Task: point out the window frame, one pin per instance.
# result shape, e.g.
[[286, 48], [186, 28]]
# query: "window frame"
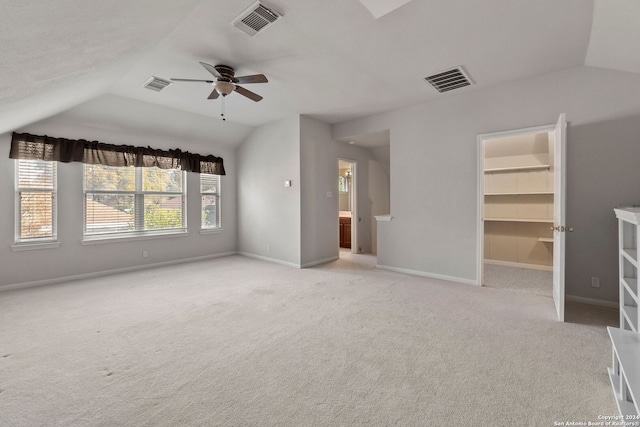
[[218, 226], [21, 243], [138, 208]]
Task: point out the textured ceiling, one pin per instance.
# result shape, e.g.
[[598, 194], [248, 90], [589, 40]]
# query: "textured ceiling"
[[329, 59]]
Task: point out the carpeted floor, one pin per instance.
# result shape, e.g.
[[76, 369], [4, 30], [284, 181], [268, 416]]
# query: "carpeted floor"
[[535, 282], [240, 342]]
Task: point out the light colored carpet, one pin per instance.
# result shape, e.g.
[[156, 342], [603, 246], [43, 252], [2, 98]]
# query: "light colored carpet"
[[535, 282], [240, 342]]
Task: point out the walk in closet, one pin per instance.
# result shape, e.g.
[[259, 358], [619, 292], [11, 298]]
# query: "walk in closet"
[[518, 201]]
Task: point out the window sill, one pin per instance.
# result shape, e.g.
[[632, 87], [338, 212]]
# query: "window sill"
[[211, 231], [18, 247], [98, 240]]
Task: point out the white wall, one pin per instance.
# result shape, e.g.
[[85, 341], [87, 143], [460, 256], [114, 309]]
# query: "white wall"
[[72, 258], [434, 170], [269, 212]]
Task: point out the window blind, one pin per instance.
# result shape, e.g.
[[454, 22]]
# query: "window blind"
[[210, 201], [35, 200]]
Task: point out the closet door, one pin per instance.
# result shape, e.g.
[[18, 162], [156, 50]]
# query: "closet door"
[[559, 201]]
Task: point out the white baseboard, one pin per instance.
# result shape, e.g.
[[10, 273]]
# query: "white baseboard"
[[426, 274], [592, 301], [112, 271], [320, 261], [267, 259], [519, 265]]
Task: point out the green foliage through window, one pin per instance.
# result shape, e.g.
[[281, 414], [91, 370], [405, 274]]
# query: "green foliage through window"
[[133, 200]]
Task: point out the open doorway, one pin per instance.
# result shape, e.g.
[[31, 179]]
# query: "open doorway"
[[347, 211], [521, 211]]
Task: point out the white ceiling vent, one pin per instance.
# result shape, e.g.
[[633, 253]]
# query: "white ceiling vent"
[[255, 19], [447, 80], [156, 83]]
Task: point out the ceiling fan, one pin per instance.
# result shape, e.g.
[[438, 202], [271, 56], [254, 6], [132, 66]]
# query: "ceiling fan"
[[226, 82]]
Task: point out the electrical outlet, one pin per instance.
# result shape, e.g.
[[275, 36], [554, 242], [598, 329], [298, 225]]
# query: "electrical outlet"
[[268, 248], [595, 282], [145, 254]]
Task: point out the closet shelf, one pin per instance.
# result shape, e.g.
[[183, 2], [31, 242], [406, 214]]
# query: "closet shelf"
[[631, 314], [519, 219], [521, 193], [631, 284], [631, 255], [545, 239], [516, 168]]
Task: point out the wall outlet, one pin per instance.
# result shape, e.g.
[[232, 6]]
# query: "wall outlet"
[[268, 248], [145, 254], [595, 282]]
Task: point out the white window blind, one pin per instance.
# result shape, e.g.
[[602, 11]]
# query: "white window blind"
[[35, 201], [128, 200], [210, 201]]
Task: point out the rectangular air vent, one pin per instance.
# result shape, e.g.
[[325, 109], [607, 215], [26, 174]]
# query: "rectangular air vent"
[[156, 83], [255, 19], [447, 80]]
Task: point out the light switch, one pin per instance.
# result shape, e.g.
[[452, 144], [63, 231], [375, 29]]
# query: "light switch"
[[287, 183], [329, 194]]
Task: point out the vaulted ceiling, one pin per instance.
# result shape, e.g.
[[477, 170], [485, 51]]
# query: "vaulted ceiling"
[[331, 59]]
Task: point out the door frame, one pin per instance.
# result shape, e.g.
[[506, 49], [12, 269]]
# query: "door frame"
[[480, 179], [353, 199]]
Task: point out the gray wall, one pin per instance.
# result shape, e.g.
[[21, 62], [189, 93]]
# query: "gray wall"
[[379, 185], [368, 170], [268, 212], [300, 223], [72, 258], [603, 159], [434, 170], [319, 175]]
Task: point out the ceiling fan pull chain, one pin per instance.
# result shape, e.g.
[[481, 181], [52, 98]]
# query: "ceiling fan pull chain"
[[222, 108]]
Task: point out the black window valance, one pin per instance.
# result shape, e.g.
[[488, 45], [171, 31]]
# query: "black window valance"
[[33, 147]]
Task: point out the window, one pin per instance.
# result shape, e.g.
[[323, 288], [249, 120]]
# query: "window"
[[210, 195], [35, 201], [133, 201], [342, 184]]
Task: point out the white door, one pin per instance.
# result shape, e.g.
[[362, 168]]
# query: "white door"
[[559, 202]]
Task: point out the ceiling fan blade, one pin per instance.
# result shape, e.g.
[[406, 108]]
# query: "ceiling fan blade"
[[191, 80], [213, 95], [255, 78], [252, 96], [211, 69]]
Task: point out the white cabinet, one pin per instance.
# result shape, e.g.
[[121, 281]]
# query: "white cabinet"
[[628, 219], [625, 341], [625, 373]]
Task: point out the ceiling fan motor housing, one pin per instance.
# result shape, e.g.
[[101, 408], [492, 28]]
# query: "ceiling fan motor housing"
[[227, 73]]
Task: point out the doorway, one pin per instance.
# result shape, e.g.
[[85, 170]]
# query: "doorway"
[[521, 197], [347, 210]]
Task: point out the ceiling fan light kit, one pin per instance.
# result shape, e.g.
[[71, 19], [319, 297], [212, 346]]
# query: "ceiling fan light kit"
[[224, 88]]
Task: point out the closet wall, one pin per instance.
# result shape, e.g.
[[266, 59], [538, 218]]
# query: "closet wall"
[[518, 201]]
